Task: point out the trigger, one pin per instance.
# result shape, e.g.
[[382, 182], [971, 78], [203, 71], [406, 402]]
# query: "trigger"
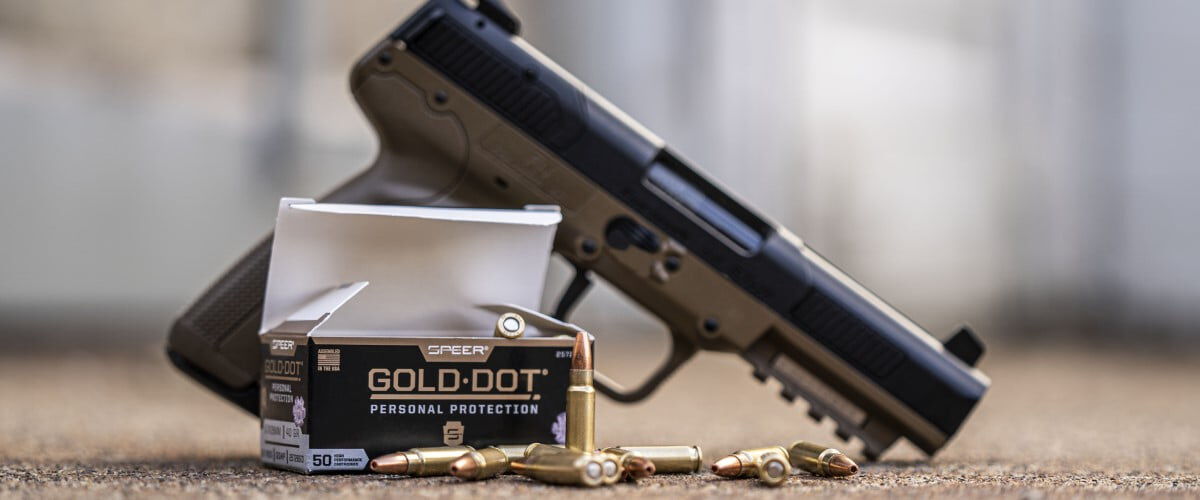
[[575, 291], [681, 352]]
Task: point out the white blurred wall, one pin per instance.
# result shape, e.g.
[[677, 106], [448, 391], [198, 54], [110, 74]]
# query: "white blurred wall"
[[1023, 165]]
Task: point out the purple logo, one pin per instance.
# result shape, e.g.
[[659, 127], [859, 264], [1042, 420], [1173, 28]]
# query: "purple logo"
[[298, 411], [559, 428]]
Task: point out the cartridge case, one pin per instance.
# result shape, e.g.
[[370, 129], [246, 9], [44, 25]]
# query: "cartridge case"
[[610, 467], [773, 469], [581, 397], [766, 450], [745, 463], [671, 459], [633, 465], [514, 451], [611, 463], [433, 461], [769, 464], [569, 467], [541, 448], [510, 325], [820, 460], [480, 464]]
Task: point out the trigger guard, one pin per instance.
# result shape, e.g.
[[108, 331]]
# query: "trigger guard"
[[681, 352]]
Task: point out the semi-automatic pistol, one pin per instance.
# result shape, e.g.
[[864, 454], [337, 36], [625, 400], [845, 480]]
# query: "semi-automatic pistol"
[[469, 114]]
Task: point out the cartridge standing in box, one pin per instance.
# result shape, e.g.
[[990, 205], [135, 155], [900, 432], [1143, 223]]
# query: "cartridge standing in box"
[[671, 459], [821, 460], [570, 467], [420, 461], [581, 397], [510, 325]]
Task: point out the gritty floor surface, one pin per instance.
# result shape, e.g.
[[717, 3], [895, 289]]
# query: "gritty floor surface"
[[1058, 422]]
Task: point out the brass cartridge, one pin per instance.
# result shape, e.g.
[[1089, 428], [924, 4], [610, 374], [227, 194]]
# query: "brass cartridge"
[[480, 464], [773, 469], [610, 467], [671, 459], [634, 466], [514, 451], [821, 460], [769, 464], [581, 397], [419, 461], [510, 325], [540, 448], [568, 467]]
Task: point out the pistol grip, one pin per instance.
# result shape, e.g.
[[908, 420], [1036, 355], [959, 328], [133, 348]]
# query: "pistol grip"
[[681, 352]]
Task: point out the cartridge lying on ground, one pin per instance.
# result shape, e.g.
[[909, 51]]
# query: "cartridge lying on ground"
[[670, 459], [769, 463], [540, 448], [820, 460], [515, 451], [773, 469], [634, 466], [480, 464], [419, 461], [610, 467], [581, 397], [568, 467], [612, 470]]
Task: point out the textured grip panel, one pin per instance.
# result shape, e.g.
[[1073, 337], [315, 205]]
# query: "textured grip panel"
[[512, 91], [216, 340], [235, 296], [830, 323]]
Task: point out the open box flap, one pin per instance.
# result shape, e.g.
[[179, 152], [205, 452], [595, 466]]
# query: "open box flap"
[[313, 314], [427, 267]]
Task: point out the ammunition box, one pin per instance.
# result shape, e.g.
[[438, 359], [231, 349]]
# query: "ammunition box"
[[332, 403]]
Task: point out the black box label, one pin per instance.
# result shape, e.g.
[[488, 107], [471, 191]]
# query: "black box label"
[[384, 395]]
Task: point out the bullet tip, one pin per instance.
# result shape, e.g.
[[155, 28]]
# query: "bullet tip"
[[581, 354], [727, 466], [842, 466], [640, 468], [395, 463], [464, 467]]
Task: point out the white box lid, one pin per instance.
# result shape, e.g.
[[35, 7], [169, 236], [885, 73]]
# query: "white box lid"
[[427, 268]]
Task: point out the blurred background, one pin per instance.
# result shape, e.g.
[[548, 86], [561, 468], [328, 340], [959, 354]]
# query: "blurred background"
[[1023, 165]]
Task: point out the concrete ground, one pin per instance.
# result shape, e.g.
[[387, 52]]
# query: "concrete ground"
[[1058, 422]]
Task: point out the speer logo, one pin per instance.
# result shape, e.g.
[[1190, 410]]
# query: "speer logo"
[[452, 433]]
